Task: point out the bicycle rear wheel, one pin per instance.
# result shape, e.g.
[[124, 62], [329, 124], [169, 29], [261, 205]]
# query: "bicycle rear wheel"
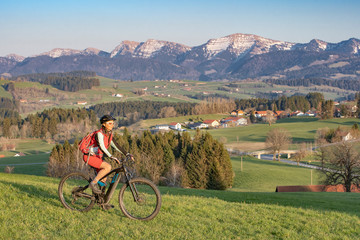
[[74, 192], [144, 204]]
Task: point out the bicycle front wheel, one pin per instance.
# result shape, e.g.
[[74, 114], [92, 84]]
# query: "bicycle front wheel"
[[74, 192], [140, 199]]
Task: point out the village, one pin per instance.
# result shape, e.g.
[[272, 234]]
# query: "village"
[[241, 118]]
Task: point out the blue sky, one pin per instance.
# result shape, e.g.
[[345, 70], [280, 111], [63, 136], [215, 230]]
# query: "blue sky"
[[32, 27]]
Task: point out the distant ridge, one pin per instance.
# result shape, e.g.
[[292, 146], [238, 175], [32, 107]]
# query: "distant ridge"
[[237, 56]]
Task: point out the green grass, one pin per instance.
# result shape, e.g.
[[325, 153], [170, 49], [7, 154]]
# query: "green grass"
[[31, 210], [31, 164], [28, 147], [302, 129], [264, 176], [250, 210]]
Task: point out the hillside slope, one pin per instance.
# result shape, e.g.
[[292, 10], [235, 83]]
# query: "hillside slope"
[[31, 209]]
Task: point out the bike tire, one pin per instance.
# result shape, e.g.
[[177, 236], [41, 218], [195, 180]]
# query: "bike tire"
[[72, 199], [148, 204]]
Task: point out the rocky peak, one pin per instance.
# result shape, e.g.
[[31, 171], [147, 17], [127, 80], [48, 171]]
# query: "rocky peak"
[[59, 52], [152, 47], [16, 58], [124, 48], [239, 44]]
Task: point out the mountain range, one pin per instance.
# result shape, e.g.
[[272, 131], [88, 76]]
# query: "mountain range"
[[237, 56]]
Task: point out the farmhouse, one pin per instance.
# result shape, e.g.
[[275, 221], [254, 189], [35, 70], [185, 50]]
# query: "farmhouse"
[[260, 114], [162, 127], [175, 126], [212, 123], [237, 113], [198, 125], [235, 120]]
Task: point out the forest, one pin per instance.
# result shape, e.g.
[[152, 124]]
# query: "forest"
[[70, 81], [165, 158], [348, 84]]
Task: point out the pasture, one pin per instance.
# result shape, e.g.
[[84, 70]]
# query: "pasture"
[[31, 210]]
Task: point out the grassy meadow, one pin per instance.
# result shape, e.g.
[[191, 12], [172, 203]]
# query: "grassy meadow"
[[250, 210]]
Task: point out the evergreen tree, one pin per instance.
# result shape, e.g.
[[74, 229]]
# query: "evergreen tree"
[[6, 127]]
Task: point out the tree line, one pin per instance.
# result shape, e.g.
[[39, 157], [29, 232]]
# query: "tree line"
[[132, 111], [166, 158], [296, 102], [347, 84], [70, 81], [51, 123], [8, 108]]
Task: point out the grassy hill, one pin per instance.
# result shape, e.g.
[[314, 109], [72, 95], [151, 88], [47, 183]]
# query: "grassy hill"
[[250, 210], [31, 210]]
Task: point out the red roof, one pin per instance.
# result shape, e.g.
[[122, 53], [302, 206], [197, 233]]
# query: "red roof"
[[209, 121], [173, 123]]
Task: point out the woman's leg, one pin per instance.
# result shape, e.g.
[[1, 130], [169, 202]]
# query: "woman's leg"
[[105, 168]]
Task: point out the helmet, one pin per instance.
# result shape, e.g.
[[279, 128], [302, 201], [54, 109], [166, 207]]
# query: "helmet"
[[106, 118]]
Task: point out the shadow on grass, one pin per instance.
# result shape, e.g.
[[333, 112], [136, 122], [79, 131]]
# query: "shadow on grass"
[[320, 201]]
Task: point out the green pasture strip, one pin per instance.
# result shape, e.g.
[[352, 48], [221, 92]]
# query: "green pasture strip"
[[29, 147], [264, 176], [31, 210], [31, 164], [4, 93], [302, 129]]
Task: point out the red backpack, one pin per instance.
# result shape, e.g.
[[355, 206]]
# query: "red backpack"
[[87, 142]]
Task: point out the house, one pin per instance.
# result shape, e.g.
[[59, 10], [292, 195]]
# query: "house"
[[175, 126], [198, 125], [260, 114], [298, 113], [162, 127], [20, 154], [117, 95], [237, 113], [23, 100], [345, 135], [310, 114], [212, 123], [279, 113], [81, 103], [234, 120]]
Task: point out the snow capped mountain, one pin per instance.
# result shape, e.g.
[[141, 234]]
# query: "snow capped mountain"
[[124, 48], [167, 51], [59, 52], [241, 44], [15, 57], [237, 55]]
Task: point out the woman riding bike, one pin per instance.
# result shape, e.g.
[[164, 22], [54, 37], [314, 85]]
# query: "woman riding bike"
[[103, 139]]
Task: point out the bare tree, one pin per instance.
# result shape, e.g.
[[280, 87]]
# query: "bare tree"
[[301, 154], [167, 112], [270, 118], [342, 166], [277, 139]]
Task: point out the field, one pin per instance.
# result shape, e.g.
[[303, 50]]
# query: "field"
[[174, 91], [250, 210], [252, 137]]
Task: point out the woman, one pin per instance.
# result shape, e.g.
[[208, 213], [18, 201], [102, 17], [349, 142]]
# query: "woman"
[[103, 139]]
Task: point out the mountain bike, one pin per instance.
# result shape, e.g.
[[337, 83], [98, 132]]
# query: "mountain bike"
[[139, 198]]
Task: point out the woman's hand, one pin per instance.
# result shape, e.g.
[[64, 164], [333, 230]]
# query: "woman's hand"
[[115, 159]]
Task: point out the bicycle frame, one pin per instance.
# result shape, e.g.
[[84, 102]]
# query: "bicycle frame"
[[115, 181]]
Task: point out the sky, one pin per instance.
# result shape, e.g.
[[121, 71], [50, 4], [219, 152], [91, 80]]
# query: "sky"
[[32, 27]]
